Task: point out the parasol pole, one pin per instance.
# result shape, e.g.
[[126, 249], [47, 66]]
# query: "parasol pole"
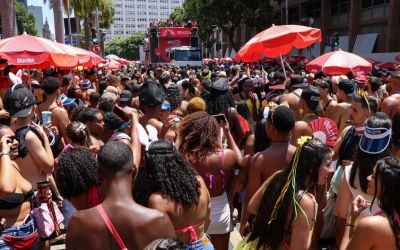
[[283, 66]]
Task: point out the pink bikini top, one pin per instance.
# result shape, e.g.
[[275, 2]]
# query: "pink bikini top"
[[211, 177]]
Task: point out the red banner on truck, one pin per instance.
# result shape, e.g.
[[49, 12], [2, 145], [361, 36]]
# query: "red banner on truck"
[[175, 32]]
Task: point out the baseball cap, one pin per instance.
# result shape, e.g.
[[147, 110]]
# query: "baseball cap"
[[220, 84], [375, 140], [126, 95], [151, 94], [347, 86], [86, 84], [66, 100], [311, 96], [19, 102], [297, 81], [361, 79]]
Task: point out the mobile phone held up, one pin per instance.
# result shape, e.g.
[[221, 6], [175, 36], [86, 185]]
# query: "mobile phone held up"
[[220, 118], [120, 113]]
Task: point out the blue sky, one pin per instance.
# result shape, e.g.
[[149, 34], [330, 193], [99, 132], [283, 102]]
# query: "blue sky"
[[47, 12]]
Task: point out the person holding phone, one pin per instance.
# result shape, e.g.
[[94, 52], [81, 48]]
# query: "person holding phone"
[[35, 159], [199, 140], [15, 195]]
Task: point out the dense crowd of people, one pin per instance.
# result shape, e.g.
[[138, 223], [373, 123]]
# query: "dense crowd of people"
[[162, 157]]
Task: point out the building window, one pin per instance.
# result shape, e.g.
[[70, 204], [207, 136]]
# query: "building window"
[[373, 9], [339, 7], [293, 16], [379, 28], [314, 9]]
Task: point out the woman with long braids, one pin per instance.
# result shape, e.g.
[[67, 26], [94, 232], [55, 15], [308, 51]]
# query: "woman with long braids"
[[199, 140], [285, 207], [177, 191], [77, 178], [381, 231]]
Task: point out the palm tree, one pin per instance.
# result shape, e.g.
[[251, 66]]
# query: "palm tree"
[[57, 6], [8, 18]]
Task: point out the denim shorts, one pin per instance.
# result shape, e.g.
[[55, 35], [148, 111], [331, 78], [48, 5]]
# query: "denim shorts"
[[26, 229], [202, 244]]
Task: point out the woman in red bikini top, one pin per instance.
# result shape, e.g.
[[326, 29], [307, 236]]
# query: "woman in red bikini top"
[[179, 192], [77, 178], [381, 231]]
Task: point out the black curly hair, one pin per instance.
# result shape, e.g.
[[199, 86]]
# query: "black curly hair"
[[76, 172], [112, 121], [171, 175], [271, 235], [219, 103], [173, 95], [198, 136], [396, 131]]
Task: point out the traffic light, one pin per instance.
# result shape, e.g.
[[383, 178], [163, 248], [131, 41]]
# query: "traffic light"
[[218, 46], [93, 39], [336, 39]]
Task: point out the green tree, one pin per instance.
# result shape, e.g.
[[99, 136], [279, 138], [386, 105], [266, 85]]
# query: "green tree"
[[177, 14], [83, 10], [127, 48], [25, 20]]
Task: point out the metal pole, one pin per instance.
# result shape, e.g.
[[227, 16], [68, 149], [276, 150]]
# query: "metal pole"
[[97, 25], [69, 24], [287, 11]]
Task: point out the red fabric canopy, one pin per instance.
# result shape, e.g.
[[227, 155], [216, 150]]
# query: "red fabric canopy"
[[278, 40], [387, 66], [339, 63], [35, 52]]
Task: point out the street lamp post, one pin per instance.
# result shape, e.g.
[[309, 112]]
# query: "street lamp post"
[[69, 23]]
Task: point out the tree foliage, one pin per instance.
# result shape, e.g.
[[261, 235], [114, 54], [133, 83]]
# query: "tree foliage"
[[127, 48], [25, 20]]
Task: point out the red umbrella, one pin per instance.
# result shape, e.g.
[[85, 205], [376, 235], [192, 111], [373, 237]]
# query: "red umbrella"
[[113, 64], [373, 62], [339, 63], [278, 40], [122, 61], [35, 52], [387, 66]]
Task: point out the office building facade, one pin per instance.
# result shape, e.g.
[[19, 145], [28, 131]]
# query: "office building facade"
[[364, 26], [38, 13], [135, 15]]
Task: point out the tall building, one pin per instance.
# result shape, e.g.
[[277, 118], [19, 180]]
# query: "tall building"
[[135, 15], [364, 27], [38, 13], [46, 31]]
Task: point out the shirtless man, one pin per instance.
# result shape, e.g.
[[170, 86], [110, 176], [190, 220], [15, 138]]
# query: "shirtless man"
[[295, 86], [276, 157], [59, 116], [345, 93], [391, 104], [309, 105], [35, 156], [328, 103], [136, 225]]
